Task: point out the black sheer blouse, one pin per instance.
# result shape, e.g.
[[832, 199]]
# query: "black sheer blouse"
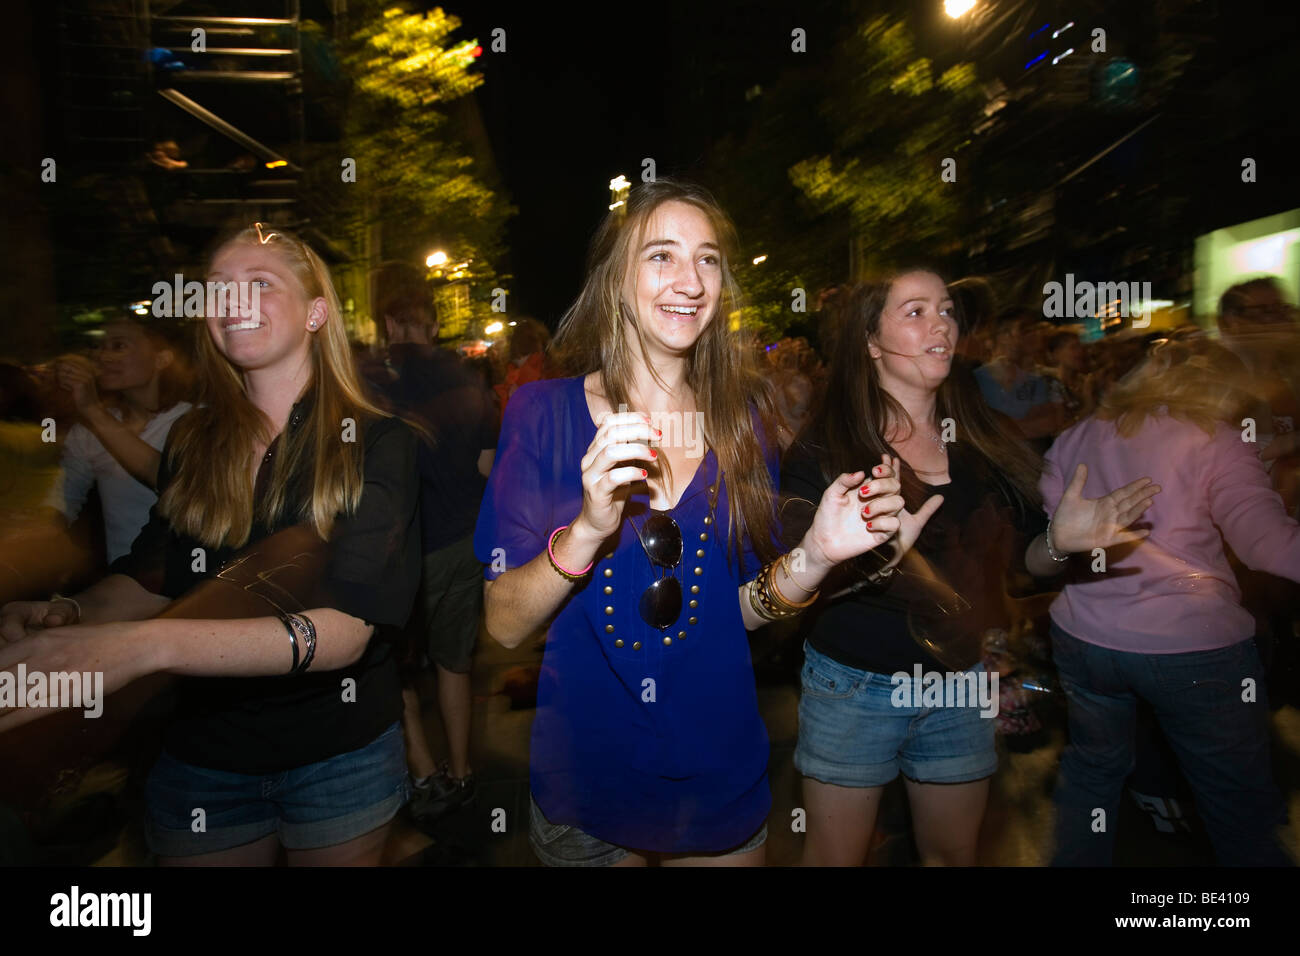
[[370, 570]]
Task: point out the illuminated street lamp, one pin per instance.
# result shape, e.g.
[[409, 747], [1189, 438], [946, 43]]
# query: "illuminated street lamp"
[[957, 8], [436, 259], [618, 188], [759, 260]]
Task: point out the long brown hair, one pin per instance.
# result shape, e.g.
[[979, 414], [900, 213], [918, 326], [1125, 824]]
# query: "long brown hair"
[[210, 495], [856, 412], [599, 332]]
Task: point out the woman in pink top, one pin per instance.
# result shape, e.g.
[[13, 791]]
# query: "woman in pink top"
[[1160, 618]]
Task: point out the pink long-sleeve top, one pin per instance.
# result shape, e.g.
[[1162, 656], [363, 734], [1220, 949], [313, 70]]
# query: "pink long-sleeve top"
[[1174, 592]]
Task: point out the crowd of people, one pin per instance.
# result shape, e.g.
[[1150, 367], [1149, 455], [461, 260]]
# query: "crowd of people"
[[648, 490]]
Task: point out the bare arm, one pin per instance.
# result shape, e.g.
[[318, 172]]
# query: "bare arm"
[[132, 452], [523, 599]]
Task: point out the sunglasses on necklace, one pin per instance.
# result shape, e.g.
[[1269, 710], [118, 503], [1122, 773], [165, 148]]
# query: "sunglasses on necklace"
[[661, 539]]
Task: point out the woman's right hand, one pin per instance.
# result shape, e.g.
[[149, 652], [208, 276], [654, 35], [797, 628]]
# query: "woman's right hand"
[[622, 437], [18, 619], [76, 374]]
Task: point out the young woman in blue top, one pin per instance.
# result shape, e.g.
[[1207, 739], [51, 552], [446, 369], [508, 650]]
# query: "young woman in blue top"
[[647, 744]]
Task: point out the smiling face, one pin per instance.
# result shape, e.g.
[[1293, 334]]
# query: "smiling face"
[[279, 330], [674, 278], [913, 346]]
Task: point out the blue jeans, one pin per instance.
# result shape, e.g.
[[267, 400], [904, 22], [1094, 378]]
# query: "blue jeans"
[[1221, 741]]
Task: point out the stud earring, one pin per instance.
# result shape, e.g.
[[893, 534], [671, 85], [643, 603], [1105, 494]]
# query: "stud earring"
[[311, 324]]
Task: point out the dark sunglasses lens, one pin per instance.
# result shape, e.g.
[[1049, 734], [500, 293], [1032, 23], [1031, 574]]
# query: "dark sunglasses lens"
[[661, 603], [663, 541]]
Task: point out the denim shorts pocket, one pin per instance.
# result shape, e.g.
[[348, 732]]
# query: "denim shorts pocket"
[[832, 682], [541, 830]]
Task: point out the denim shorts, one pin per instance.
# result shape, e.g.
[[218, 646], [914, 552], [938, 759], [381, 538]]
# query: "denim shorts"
[[852, 734], [563, 845], [322, 804]]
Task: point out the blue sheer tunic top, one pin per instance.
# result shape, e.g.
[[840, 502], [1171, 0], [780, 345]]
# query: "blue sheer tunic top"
[[648, 739]]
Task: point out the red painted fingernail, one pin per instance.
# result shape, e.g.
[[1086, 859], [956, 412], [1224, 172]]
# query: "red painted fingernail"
[[653, 453], [864, 490], [643, 472], [868, 524], [866, 511]]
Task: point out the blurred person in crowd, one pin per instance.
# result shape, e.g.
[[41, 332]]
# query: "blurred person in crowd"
[[1010, 384], [632, 507], [126, 402], [1069, 382], [975, 302], [436, 389], [793, 389], [1162, 621], [527, 358], [972, 509], [281, 447], [1259, 326]]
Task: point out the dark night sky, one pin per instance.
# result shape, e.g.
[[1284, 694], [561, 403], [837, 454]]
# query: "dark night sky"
[[579, 98]]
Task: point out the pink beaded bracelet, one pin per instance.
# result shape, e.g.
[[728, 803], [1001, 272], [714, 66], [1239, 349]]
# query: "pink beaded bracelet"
[[565, 572]]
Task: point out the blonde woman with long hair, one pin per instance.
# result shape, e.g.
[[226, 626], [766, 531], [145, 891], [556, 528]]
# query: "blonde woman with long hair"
[[631, 510], [1160, 619], [286, 735]]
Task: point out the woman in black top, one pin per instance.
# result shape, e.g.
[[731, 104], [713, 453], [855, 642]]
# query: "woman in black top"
[[972, 512], [287, 731]]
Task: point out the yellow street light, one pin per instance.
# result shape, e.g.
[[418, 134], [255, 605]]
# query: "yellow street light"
[[436, 259], [957, 8], [759, 260]]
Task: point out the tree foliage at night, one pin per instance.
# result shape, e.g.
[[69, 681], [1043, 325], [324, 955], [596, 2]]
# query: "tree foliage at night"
[[417, 176]]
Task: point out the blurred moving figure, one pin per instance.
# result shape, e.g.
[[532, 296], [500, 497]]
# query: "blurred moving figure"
[[1069, 382], [1163, 621], [1011, 385], [1259, 327], [283, 748], [450, 402], [527, 359], [126, 404], [650, 556], [893, 385]]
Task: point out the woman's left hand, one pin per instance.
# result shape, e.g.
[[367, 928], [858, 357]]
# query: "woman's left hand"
[[1082, 524], [854, 517], [111, 654]]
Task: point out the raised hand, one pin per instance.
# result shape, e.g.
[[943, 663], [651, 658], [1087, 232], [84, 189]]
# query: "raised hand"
[[911, 525], [1081, 524], [76, 374], [622, 437], [855, 516]]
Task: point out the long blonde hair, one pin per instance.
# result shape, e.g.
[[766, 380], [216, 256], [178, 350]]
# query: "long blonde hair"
[[210, 495], [593, 336], [1193, 380]]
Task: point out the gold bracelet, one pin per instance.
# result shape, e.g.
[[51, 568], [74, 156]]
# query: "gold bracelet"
[[754, 602], [771, 597], [781, 598], [785, 563]]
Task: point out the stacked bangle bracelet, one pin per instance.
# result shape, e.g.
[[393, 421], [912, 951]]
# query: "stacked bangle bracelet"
[[765, 595], [559, 568], [300, 625]]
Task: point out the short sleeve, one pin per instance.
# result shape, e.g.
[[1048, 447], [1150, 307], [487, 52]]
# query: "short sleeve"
[[147, 559], [513, 520], [76, 475], [373, 568], [1051, 484]]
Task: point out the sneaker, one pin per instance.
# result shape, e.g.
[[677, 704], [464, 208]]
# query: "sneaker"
[[443, 795]]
